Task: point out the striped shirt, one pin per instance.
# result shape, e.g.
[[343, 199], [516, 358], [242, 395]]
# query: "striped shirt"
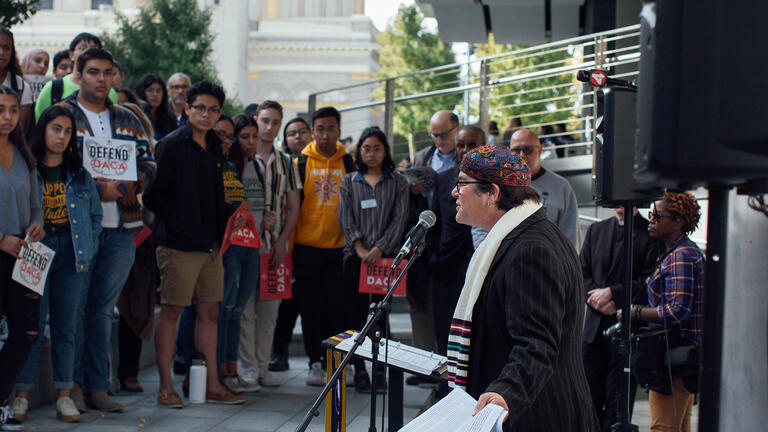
[[280, 176], [375, 215], [676, 289]]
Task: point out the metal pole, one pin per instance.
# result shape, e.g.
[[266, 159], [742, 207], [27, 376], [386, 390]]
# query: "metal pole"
[[467, 81], [312, 105], [484, 115], [389, 113], [714, 296]]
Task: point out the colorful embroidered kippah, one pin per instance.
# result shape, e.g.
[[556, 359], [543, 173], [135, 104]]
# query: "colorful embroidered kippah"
[[496, 164]]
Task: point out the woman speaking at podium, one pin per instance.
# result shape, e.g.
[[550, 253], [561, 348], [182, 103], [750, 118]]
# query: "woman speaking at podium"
[[515, 338]]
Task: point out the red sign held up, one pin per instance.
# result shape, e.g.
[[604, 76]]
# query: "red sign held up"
[[246, 236], [275, 281], [373, 277]]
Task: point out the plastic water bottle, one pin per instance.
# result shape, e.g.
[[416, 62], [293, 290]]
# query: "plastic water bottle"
[[197, 382]]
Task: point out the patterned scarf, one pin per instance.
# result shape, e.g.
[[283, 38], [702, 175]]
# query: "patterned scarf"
[[460, 335]]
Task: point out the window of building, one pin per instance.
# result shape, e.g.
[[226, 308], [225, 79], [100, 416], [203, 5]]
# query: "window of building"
[[45, 4], [96, 3]]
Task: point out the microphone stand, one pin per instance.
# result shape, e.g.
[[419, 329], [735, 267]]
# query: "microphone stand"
[[623, 340], [376, 313]]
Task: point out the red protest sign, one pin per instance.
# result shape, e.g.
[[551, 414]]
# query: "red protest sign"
[[373, 277], [142, 235], [246, 236], [275, 281]]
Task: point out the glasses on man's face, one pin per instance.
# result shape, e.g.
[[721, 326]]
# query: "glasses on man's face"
[[656, 215], [462, 182], [202, 109], [223, 136], [178, 87], [527, 150], [442, 135], [293, 133]]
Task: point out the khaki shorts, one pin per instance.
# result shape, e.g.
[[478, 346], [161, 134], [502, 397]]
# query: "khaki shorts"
[[190, 275]]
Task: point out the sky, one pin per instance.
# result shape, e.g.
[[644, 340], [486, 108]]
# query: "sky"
[[382, 11]]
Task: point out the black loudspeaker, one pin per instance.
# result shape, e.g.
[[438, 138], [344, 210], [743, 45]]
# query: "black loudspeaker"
[[703, 94], [614, 184]]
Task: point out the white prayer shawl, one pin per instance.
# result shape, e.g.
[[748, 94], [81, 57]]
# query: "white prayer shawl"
[[460, 335]]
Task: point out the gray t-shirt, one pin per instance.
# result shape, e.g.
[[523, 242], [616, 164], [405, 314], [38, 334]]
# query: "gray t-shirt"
[[254, 191], [19, 201]]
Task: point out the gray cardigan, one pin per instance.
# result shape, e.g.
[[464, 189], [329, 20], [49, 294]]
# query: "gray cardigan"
[[19, 204]]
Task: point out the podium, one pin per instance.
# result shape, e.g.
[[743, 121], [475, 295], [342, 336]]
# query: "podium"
[[402, 358]]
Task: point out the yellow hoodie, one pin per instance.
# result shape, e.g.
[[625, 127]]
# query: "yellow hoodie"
[[318, 224]]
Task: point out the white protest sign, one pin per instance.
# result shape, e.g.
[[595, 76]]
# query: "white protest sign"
[[37, 82], [31, 269], [114, 159]]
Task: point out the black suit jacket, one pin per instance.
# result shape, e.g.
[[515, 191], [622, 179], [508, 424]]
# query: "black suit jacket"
[[602, 265], [526, 332], [449, 243]]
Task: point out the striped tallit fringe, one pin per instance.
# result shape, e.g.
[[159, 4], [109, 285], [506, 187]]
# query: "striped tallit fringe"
[[460, 335], [459, 339]]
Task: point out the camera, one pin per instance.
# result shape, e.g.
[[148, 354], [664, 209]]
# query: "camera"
[[612, 330]]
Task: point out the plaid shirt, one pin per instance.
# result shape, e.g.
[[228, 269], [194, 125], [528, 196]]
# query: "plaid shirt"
[[676, 289]]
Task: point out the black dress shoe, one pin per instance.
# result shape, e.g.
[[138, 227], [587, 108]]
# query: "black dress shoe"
[[362, 382], [278, 362]]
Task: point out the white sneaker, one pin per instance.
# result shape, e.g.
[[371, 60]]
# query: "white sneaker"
[[66, 410], [7, 421], [240, 385], [316, 375], [20, 407], [267, 379], [249, 373]]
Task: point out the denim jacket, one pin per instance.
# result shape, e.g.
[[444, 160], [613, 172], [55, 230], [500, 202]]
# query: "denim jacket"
[[84, 208]]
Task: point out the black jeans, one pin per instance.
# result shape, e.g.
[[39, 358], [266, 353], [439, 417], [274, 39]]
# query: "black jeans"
[[286, 320], [319, 289], [21, 308]]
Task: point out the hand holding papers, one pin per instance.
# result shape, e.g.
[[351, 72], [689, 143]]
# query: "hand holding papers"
[[454, 413]]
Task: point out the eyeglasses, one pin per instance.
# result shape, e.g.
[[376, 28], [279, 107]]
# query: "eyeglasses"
[[178, 87], [293, 133], [201, 109], [657, 215], [366, 149], [442, 135], [527, 150], [460, 182], [223, 136]]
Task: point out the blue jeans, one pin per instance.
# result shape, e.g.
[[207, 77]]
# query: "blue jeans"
[[63, 292], [241, 278], [111, 268]]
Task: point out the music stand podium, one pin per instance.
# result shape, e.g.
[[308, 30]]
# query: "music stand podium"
[[335, 406]]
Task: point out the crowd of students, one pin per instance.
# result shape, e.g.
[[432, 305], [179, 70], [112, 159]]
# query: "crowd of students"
[[155, 232]]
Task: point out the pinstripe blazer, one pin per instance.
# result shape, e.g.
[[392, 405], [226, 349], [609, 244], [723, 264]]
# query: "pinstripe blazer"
[[526, 332]]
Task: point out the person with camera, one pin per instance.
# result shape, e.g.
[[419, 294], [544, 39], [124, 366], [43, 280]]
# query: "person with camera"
[[675, 298], [603, 263]]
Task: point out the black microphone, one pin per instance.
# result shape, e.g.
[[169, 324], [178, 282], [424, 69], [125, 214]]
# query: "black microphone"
[[415, 236], [599, 78]]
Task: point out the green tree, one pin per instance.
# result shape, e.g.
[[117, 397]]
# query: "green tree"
[[521, 98], [407, 47], [13, 12], [167, 36]]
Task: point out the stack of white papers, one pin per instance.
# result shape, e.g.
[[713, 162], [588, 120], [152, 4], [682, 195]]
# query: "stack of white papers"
[[400, 355], [454, 413]]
